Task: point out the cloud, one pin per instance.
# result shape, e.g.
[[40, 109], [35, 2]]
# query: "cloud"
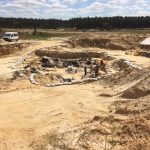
[[73, 1], [73, 8], [96, 6], [143, 13]]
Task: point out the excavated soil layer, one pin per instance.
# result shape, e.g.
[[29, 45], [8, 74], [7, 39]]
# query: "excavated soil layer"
[[112, 43], [102, 133], [12, 48], [100, 43], [70, 55]]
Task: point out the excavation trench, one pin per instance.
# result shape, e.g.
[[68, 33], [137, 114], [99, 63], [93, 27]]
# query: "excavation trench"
[[57, 68], [111, 44], [8, 49], [54, 68], [71, 55]]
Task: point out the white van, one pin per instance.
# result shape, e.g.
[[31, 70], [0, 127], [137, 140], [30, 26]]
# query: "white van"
[[11, 36]]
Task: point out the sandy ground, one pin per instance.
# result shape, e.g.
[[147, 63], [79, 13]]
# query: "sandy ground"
[[28, 111]]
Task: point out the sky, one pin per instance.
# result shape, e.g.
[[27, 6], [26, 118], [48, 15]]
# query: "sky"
[[65, 9]]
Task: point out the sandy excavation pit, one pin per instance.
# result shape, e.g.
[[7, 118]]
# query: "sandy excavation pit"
[[56, 68], [108, 112], [129, 44], [107, 42], [62, 68]]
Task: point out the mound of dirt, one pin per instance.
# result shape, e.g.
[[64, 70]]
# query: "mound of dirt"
[[117, 42], [122, 78], [90, 135], [123, 64], [134, 134], [86, 42], [100, 134], [8, 49], [114, 46], [129, 83], [142, 88], [133, 107], [97, 42]]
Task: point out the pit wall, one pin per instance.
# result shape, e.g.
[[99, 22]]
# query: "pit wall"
[[71, 55], [100, 43], [12, 48]]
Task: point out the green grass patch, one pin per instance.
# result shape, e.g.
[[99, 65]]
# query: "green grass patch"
[[133, 31], [44, 35]]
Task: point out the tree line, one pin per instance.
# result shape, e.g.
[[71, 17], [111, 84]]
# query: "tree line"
[[108, 23]]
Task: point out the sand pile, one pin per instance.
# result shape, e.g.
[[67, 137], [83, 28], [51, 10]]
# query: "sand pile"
[[115, 46], [120, 42], [134, 107], [134, 132], [123, 77], [128, 83], [102, 132], [87, 42], [90, 135], [140, 89], [123, 64], [12, 48]]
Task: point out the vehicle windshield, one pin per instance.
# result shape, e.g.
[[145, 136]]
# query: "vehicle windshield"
[[11, 34], [7, 34]]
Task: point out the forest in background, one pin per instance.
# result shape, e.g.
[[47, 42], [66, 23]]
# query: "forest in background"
[[101, 23]]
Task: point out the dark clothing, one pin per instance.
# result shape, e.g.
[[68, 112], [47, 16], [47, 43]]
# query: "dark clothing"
[[33, 70], [96, 70], [27, 66], [91, 68], [88, 62], [85, 70]]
